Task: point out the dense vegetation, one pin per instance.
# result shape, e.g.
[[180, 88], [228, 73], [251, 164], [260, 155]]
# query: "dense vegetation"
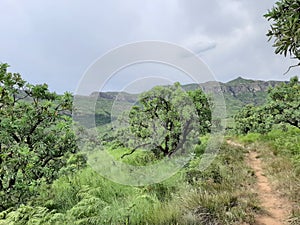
[[165, 119], [283, 106], [215, 196], [237, 93], [69, 192], [273, 130], [36, 137], [285, 16], [45, 180]]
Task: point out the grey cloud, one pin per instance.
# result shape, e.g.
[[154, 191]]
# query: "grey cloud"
[[238, 28], [55, 41]]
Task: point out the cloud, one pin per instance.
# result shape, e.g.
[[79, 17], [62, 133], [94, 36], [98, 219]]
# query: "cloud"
[[238, 28], [198, 44], [55, 41]]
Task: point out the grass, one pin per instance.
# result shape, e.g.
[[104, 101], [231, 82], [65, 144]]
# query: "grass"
[[280, 154], [221, 194], [284, 177]]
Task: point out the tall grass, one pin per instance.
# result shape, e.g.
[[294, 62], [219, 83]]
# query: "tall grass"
[[280, 152], [219, 195]]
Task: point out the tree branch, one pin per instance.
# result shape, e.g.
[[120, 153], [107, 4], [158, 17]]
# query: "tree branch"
[[187, 130], [33, 128], [20, 98], [133, 150], [290, 67]]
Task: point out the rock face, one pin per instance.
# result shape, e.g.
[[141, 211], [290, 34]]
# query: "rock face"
[[237, 93], [235, 87], [241, 85]]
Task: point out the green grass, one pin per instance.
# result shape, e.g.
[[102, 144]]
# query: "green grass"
[[219, 195], [222, 194], [280, 153]]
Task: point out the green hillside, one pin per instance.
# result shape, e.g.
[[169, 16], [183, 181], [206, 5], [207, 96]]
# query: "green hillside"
[[237, 93]]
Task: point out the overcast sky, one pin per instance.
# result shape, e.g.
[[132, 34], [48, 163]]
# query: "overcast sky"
[[55, 41]]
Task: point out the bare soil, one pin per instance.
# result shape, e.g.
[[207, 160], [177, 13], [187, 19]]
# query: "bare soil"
[[276, 208]]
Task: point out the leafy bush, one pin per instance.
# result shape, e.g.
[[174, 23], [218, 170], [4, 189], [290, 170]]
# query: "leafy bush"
[[285, 141], [283, 106], [36, 137], [217, 196]]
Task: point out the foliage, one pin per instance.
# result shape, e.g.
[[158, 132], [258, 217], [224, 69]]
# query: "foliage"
[[218, 196], [36, 136], [140, 158], [285, 140], [66, 193], [286, 27], [284, 102], [203, 110], [283, 106], [166, 120], [201, 146], [252, 119], [237, 93]]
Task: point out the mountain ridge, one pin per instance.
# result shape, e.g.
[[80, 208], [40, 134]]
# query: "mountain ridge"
[[238, 84], [237, 93]]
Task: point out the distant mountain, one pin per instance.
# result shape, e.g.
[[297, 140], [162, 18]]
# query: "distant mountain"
[[119, 96], [237, 93], [235, 87]]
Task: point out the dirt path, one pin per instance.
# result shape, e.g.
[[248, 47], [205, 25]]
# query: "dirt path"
[[277, 208]]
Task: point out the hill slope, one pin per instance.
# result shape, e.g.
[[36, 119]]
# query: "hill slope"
[[237, 93]]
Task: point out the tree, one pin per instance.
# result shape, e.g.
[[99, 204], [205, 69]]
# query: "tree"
[[203, 110], [285, 28], [282, 106], [252, 119], [36, 136], [166, 120], [284, 102]]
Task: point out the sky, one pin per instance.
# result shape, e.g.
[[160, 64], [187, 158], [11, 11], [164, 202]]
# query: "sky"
[[56, 41]]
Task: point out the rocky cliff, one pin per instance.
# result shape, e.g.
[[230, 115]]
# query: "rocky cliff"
[[237, 92], [235, 87]]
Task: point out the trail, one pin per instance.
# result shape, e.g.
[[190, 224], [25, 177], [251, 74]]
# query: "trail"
[[276, 208]]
